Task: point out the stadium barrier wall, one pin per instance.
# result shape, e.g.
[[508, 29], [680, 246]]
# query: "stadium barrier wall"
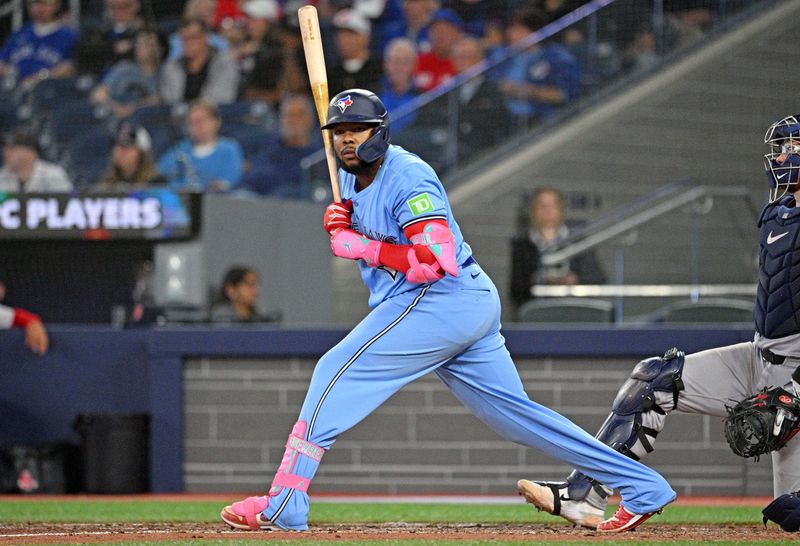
[[186, 378]]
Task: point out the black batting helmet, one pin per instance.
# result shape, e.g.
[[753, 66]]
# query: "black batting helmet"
[[362, 106]]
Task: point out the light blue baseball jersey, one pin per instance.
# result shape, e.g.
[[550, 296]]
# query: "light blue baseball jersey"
[[406, 190]]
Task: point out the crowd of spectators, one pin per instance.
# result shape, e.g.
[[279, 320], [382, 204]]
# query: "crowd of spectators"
[[174, 76]]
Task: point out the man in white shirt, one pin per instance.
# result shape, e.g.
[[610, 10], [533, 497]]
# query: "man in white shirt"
[[24, 172]]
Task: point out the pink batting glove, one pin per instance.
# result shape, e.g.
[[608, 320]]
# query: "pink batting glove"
[[346, 243]]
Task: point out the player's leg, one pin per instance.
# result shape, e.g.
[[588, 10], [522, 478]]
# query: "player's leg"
[[701, 383], [485, 380], [401, 339], [786, 461]]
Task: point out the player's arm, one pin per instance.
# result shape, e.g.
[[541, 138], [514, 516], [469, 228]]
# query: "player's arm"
[[35, 333], [430, 255]]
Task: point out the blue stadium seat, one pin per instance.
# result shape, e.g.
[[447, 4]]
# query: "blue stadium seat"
[[87, 155], [149, 116], [248, 113], [49, 95], [252, 138], [69, 120]]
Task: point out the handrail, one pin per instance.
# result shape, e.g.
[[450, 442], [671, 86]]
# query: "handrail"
[[622, 220], [643, 290]]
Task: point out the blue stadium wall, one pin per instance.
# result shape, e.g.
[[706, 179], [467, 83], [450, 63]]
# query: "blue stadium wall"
[[181, 376]]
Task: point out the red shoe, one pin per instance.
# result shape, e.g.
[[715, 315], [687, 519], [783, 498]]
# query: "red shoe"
[[622, 520]]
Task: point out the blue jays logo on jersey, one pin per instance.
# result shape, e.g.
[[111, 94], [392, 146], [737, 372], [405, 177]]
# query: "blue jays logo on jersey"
[[344, 103]]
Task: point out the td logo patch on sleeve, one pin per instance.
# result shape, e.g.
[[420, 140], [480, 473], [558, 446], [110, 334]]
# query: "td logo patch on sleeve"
[[420, 204]]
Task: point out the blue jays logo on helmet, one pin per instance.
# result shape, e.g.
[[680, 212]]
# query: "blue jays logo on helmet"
[[782, 161], [344, 102], [362, 106]]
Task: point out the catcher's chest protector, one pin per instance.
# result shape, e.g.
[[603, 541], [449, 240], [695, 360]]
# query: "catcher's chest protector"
[[777, 309]]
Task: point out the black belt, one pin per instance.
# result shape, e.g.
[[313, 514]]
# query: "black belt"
[[468, 262], [771, 357]]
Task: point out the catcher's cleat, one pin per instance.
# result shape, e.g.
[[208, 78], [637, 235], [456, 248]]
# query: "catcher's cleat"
[[247, 514], [622, 520], [553, 498]]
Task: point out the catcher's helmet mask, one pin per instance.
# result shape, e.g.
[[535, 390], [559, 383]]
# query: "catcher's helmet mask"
[[362, 106], [783, 139]]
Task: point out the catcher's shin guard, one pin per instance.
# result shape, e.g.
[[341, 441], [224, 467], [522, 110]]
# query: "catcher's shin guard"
[[642, 404]]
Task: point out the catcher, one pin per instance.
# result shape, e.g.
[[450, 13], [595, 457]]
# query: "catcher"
[[754, 386]]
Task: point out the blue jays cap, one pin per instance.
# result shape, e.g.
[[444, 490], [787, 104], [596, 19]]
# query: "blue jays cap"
[[448, 15]]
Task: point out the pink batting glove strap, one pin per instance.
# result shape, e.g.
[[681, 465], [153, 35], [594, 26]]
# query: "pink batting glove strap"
[[349, 244], [419, 272], [291, 481], [250, 508]]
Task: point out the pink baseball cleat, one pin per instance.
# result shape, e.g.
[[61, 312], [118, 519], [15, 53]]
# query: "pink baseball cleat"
[[246, 514]]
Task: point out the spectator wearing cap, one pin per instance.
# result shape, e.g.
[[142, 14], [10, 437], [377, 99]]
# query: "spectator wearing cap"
[[131, 166], [199, 9], [435, 67], [356, 67], [202, 71], [24, 172], [276, 169], [42, 48], [132, 84], [540, 79], [261, 55], [397, 85], [204, 161], [417, 16]]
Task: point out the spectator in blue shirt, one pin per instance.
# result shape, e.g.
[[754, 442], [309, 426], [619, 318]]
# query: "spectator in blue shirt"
[[41, 49], [204, 161], [397, 84], [276, 171], [544, 77]]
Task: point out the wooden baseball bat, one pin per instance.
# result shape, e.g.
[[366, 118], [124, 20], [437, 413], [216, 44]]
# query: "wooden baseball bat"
[[315, 63]]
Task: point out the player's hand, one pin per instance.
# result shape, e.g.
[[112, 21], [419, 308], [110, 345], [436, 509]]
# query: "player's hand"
[[36, 337], [346, 243], [338, 216]]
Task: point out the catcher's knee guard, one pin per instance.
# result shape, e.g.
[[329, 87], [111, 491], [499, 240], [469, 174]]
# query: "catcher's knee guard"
[[642, 404]]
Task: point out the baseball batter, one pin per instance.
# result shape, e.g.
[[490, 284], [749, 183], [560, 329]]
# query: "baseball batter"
[[433, 310], [710, 382]]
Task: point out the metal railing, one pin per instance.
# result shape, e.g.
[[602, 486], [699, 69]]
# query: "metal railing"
[[615, 227]]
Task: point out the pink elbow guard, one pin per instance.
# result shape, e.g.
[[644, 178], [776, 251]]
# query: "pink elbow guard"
[[441, 242], [420, 272]]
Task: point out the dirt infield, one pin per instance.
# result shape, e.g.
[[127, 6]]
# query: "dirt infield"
[[73, 533]]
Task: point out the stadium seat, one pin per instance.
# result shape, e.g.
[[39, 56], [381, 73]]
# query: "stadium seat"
[[707, 310], [51, 94], [87, 155], [252, 138], [149, 116], [566, 310], [69, 120], [248, 113]]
